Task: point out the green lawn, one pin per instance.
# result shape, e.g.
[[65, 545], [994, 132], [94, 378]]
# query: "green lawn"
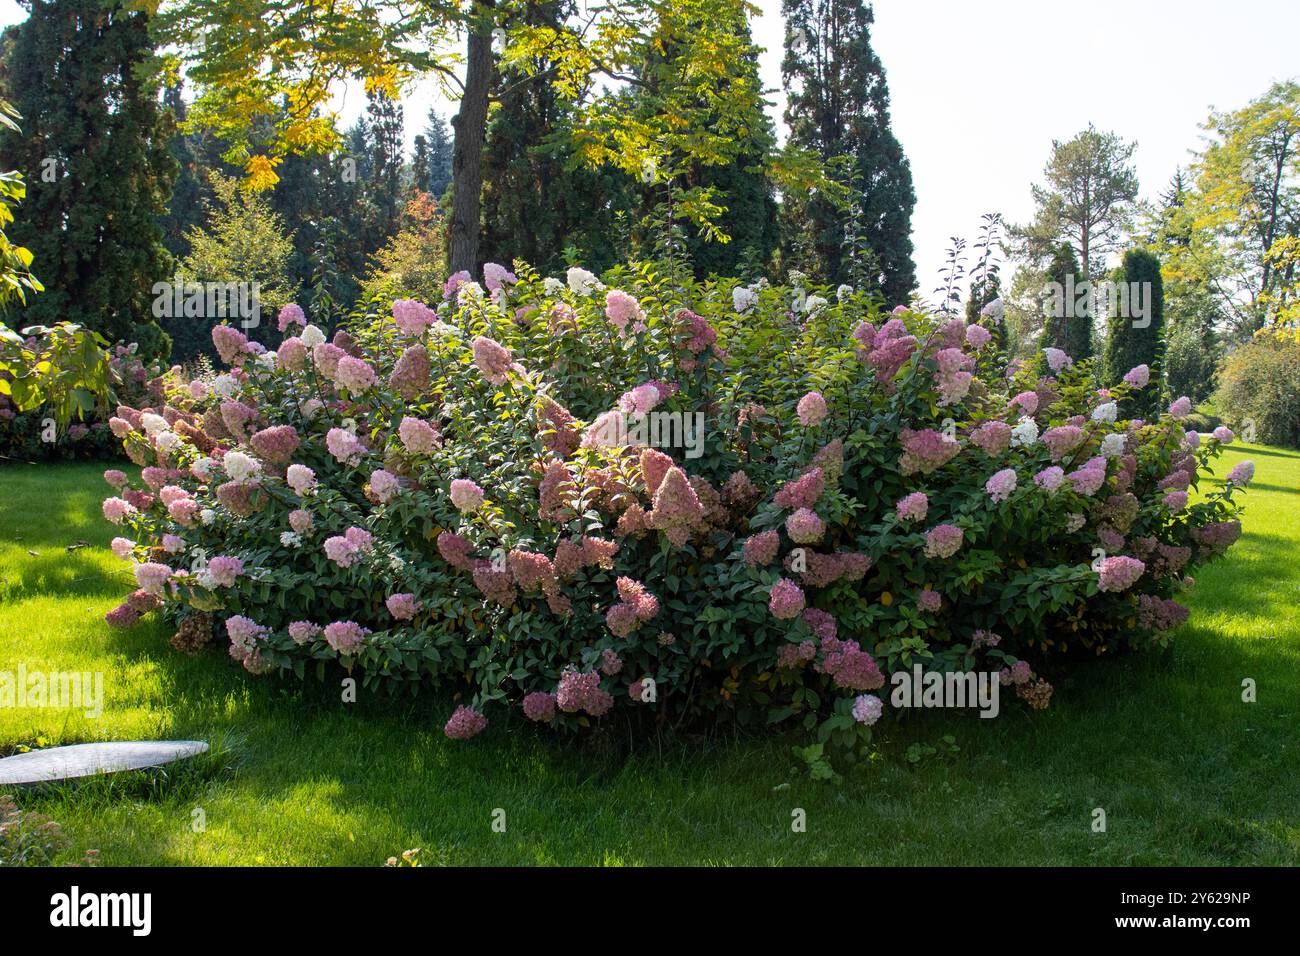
[[1186, 772]]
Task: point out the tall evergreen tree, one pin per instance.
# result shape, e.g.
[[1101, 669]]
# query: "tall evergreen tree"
[[1130, 343], [438, 137], [95, 148], [537, 200], [1064, 327], [838, 105]]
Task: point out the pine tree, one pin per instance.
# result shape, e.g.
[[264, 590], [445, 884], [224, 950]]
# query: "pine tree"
[[95, 149], [838, 106], [1131, 342]]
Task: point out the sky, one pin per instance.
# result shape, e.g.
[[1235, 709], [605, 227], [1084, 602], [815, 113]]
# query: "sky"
[[980, 90]]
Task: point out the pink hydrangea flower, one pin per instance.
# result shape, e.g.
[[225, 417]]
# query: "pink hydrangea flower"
[[622, 309], [344, 446], [993, 438], [1001, 485], [466, 496], [493, 360], [929, 600], [301, 478], [300, 521], [925, 451], [292, 354], [303, 631], [1119, 573], [291, 315], [418, 437], [345, 636], [1224, 435], [225, 570], [867, 708], [803, 492], [115, 478], [539, 706], [812, 409], [1181, 408], [354, 374], [916, 505], [1138, 376], [1026, 402], [403, 607], [116, 510], [1242, 474], [786, 600], [1049, 479], [153, 577], [943, 541], [640, 400], [1175, 501], [760, 549], [1057, 360], [412, 317], [230, 343], [496, 276], [122, 547], [805, 527], [977, 336], [384, 485]]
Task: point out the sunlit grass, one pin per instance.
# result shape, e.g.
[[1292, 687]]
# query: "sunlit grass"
[[1185, 772]]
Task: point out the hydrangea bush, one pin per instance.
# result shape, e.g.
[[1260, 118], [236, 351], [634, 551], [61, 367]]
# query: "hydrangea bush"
[[504, 495]]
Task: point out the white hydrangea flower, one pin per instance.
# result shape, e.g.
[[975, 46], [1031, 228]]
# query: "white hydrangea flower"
[[1105, 413], [814, 303], [291, 539], [743, 299], [468, 293], [153, 424], [843, 292], [1074, 522], [552, 286], [202, 469], [312, 336], [167, 441], [583, 282], [239, 466], [1025, 433], [267, 360], [1112, 446], [226, 386], [206, 580]]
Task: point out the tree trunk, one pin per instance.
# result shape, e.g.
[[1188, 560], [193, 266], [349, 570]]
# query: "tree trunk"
[[470, 125]]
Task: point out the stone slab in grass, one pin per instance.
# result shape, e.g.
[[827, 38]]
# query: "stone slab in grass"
[[87, 760]]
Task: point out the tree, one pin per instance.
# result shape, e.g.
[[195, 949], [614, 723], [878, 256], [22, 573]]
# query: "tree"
[[1131, 342], [539, 203], [838, 107], [1247, 198], [242, 241], [1066, 326], [95, 148], [431, 165], [1088, 198], [301, 49], [16, 279]]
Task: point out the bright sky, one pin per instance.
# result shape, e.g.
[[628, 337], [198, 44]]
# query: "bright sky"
[[979, 90]]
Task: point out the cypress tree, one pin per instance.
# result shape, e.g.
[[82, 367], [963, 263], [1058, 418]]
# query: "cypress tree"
[[838, 106], [95, 150], [1130, 341], [1068, 331]]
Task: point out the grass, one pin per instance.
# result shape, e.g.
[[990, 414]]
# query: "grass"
[[1186, 772]]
